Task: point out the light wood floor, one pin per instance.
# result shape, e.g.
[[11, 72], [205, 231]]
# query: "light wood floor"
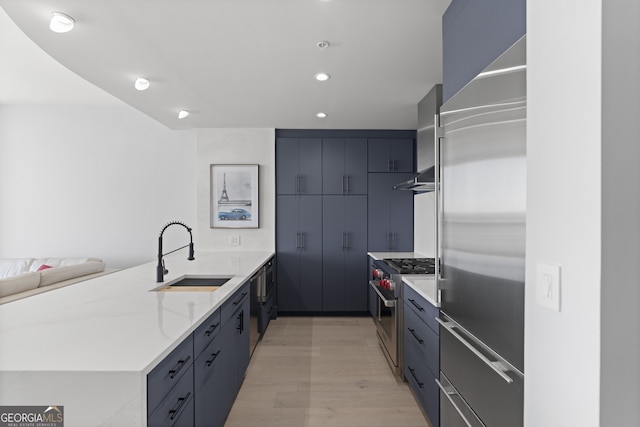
[[322, 371]]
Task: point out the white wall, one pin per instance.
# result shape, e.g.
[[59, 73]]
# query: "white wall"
[[237, 146], [424, 224], [96, 181], [562, 350]]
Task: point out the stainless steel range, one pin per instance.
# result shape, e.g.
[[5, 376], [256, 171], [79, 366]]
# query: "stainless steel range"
[[412, 265], [386, 281]]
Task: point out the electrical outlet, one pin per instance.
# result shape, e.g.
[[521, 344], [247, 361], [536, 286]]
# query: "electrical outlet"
[[234, 240], [548, 286]]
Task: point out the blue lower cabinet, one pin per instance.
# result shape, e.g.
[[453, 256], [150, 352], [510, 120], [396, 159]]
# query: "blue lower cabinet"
[[423, 339], [183, 391], [186, 417], [235, 348], [422, 382], [422, 353], [176, 408], [209, 409]]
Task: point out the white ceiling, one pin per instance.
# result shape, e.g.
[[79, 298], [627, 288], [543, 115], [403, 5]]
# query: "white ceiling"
[[231, 63]]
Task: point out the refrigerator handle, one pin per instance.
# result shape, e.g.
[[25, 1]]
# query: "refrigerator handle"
[[496, 366]]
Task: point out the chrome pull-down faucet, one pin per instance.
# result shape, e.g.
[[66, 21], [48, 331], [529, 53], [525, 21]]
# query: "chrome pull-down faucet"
[[160, 268]]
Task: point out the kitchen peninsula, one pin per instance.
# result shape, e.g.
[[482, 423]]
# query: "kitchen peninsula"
[[89, 347]]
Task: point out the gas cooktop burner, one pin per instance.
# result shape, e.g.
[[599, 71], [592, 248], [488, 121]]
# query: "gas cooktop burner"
[[412, 265]]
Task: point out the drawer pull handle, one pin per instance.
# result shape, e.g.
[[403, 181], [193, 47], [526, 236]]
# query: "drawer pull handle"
[[413, 332], [418, 306], [448, 394], [244, 294], [414, 376], [214, 356], [181, 401], [181, 364], [496, 366], [211, 329]]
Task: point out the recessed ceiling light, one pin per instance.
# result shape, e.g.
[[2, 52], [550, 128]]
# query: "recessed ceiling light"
[[183, 114], [321, 115], [61, 23], [142, 83], [322, 77]]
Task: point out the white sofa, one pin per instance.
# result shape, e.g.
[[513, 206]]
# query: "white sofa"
[[22, 277]]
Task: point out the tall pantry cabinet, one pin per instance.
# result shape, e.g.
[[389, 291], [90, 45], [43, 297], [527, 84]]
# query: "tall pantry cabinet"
[[324, 203]]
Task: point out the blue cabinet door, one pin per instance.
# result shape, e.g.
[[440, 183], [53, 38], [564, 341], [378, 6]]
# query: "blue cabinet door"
[[333, 212], [208, 388], [243, 344], [379, 213], [391, 155], [228, 366], [344, 166], [287, 241], [299, 248], [390, 214], [310, 253], [344, 251], [333, 173], [299, 166], [474, 33], [355, 263]]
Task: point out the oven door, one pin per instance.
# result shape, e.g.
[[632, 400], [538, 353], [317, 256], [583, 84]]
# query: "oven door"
[[387, 321]]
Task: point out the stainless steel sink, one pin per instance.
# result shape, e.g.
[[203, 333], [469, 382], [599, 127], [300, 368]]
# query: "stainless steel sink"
[[194, 284], [201, 281]]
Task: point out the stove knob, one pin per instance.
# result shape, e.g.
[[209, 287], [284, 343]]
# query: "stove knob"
[[377, 273]]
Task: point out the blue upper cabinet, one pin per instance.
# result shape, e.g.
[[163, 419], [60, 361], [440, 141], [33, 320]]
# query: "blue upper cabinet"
[[391, 155], [344, 166], [474, 33], [299, 163]]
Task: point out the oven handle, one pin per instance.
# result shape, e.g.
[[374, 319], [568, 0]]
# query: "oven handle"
[[497, 367], [387, 302]]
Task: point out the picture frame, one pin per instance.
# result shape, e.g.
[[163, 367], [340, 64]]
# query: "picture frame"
[[234, 196]]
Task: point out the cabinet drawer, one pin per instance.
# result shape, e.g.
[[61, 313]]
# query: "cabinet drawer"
[[168, 372], [178, 403], [422, 308], [423, 384], [234, 302], [206, 333], [423, 339]]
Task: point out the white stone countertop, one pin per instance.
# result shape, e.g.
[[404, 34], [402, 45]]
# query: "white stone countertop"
[[383, 255], [89, 346], [424, 285]]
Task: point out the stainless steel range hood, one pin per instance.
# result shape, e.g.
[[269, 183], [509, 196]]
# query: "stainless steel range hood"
[[422, 182], [426, 147]]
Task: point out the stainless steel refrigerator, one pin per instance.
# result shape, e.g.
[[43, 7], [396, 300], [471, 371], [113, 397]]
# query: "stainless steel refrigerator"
[[482, 247]]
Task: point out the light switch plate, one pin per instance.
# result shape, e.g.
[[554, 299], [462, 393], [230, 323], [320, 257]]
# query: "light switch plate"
[[234, 240], [548, 286]]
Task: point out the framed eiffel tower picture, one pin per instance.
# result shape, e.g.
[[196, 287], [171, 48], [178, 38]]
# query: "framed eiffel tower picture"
[[234, 196]]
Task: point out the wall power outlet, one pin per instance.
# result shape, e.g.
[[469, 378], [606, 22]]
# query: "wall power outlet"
[[234, 240]]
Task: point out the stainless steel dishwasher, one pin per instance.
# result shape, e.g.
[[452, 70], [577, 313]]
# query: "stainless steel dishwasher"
[[262, 302], [254, 312]]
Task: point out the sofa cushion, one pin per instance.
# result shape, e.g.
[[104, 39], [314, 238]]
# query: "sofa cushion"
[[59, 262], [14, 266], [66, 272], [19, 283]]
